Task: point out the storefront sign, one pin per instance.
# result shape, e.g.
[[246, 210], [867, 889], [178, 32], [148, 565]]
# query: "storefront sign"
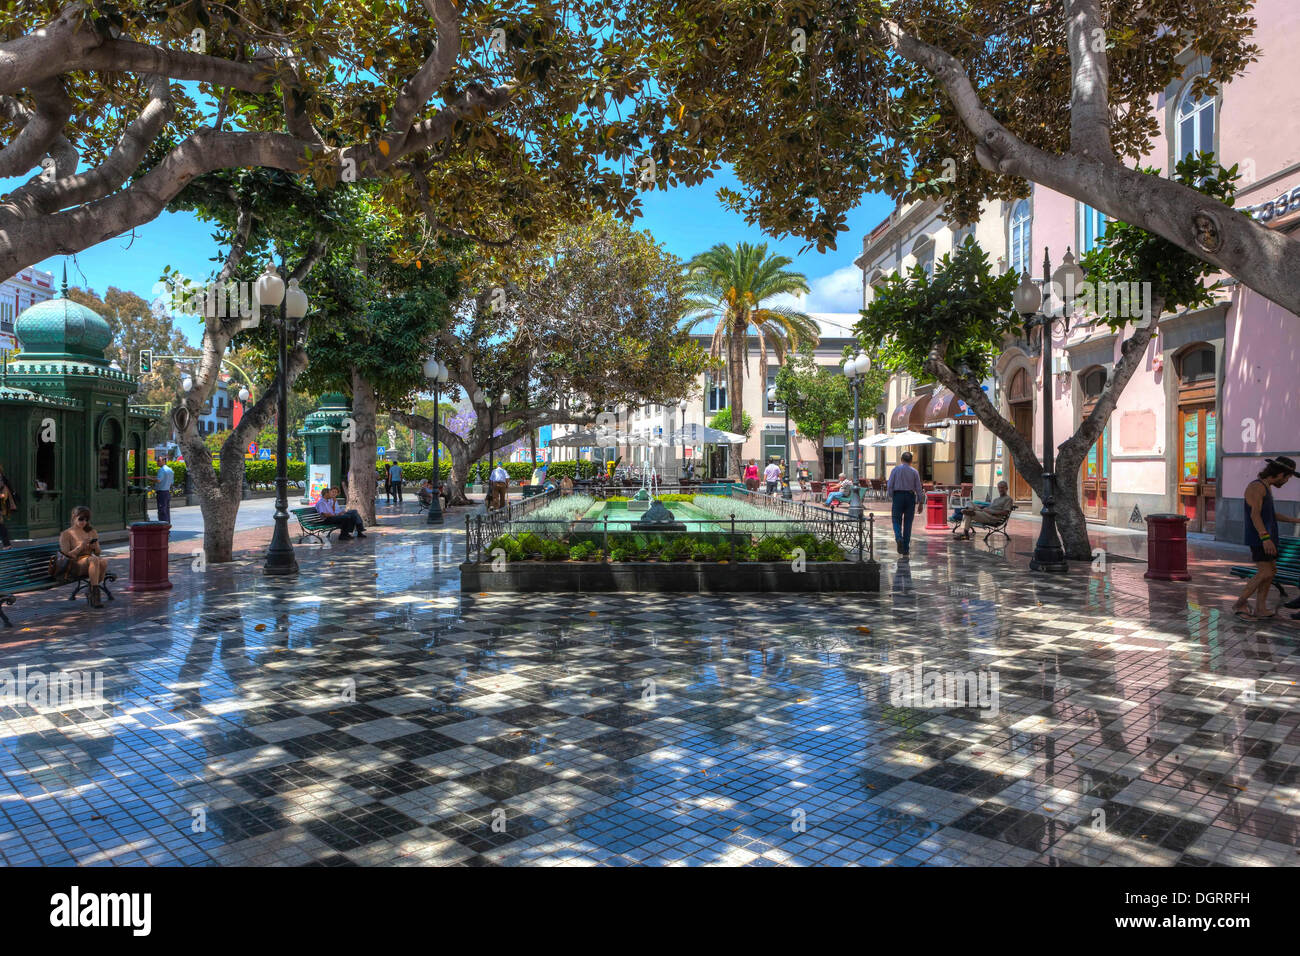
[[1191, 449]]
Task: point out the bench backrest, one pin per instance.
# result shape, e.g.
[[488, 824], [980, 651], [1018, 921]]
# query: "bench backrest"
[[25, 567]]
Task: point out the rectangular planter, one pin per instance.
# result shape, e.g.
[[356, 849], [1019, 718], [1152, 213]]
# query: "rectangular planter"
[[679, 576]]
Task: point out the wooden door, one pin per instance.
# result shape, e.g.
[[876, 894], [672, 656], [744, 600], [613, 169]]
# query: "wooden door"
[[1095, 478], [1022, 416], [1198, 430]]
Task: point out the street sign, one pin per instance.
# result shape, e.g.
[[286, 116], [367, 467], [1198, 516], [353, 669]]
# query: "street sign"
[[264, 455], [380, 451]]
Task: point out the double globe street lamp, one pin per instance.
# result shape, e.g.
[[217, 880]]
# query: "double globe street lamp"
[[291, 305], [785, 478], [436, 373], [855, 370], [1049, 555]]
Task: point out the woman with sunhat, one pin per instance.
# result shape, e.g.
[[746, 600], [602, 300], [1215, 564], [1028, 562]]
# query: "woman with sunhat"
[[1262, 534]]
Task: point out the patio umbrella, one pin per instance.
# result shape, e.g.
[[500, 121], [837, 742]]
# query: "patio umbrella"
[[901, 439], [696, 434]]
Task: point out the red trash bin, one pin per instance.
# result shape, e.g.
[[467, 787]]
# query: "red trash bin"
[[149, 556], [936, 511], [1167, 548]]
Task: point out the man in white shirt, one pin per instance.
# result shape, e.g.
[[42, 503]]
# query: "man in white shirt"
[[772, 475], [348, 522], [499, 481], [164, 481]]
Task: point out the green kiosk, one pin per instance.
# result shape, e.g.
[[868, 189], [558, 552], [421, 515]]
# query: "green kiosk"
[[325, 453], [68, 436]]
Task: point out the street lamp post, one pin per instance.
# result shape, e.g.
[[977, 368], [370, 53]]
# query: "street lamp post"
[[1049, 555], [436, 373], [246, 491], [292, 304], [785, 478], [855, 369], [187, 385], [681, 407]]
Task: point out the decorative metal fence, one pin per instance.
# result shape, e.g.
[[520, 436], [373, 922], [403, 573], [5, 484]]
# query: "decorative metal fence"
[[791, 522]]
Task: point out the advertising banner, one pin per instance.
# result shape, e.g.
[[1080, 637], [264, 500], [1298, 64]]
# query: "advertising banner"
[[318, 481]]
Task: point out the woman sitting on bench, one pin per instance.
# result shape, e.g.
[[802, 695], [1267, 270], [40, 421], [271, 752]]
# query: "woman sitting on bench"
[[79, 555]]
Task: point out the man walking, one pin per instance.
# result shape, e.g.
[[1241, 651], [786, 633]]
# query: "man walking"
[[772, 475], [395, 479], [904, 491], [164, 481], [1262, 534]]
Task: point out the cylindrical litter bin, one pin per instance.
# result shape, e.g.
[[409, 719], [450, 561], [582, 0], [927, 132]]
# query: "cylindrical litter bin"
[[1167, 548], [149, 556], [936, 511]]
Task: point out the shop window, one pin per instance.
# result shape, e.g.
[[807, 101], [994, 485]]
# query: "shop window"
[[110, 455]]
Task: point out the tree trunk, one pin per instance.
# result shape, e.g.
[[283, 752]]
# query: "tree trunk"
[[1069, 518], [363, 477], [736, 379], [455, 480], [821, 455]]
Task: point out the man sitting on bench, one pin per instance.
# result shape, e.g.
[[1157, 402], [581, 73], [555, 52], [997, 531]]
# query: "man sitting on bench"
[[348, 522], [995, 512]]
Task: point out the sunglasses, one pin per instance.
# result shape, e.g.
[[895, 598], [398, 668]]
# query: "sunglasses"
[[83, 518]]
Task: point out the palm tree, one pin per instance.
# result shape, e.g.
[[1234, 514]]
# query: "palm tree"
[[729, 285]]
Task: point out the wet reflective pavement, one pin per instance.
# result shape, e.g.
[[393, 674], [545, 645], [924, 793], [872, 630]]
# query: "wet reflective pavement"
[[369, 713]]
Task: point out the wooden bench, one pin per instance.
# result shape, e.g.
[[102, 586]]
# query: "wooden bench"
[[28, 569], [313, 525], [1288, 565]]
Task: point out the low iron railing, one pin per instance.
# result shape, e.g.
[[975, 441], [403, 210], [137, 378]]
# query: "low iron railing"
[[854, 536]]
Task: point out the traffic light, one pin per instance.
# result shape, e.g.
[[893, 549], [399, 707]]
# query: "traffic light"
[[146, 361]]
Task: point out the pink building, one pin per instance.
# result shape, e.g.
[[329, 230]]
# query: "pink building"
[[1213, 397]]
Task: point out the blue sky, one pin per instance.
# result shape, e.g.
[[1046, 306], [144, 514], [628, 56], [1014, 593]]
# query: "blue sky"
[[686, 220]]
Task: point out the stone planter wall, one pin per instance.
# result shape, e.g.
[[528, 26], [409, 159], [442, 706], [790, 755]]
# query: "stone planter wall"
[[686, 576]]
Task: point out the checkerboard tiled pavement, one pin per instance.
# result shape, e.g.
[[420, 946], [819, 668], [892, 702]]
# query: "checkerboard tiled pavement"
[[371, 714]]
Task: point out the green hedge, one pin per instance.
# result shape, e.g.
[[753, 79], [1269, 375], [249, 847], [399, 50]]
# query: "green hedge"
[[682, 547], [255, 472], [517, 470]]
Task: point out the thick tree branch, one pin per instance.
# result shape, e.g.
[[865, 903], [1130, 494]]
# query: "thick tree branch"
[[1262, 258], [40, 131], [1090, 80], [419, 89]]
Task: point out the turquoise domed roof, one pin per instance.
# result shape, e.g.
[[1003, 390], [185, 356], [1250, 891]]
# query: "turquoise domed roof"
[[62, 327]]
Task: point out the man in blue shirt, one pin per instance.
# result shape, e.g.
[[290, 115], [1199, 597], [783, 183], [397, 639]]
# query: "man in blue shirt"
[[395, 479], [164, 481], [904, 490]]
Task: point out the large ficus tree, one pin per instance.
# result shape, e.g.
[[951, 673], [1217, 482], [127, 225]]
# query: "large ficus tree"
[[951, 326], [381, 326], [569, 326], [464, 112], [816, 102]]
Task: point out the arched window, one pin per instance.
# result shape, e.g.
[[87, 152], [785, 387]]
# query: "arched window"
[[1020, 238], [1093, 382], [1196, 364], [923, 252], [1196, 125], [44, 478], [960, 234]]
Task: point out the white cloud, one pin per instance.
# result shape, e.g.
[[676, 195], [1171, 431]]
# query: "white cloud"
[[840, 291]]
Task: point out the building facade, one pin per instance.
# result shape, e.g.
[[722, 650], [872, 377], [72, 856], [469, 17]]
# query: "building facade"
[[21, 292], [1210, 400]]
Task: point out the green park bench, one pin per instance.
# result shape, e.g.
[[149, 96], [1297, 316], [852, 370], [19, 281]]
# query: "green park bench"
[[28, 569], [1288, 565], [313, 525]]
